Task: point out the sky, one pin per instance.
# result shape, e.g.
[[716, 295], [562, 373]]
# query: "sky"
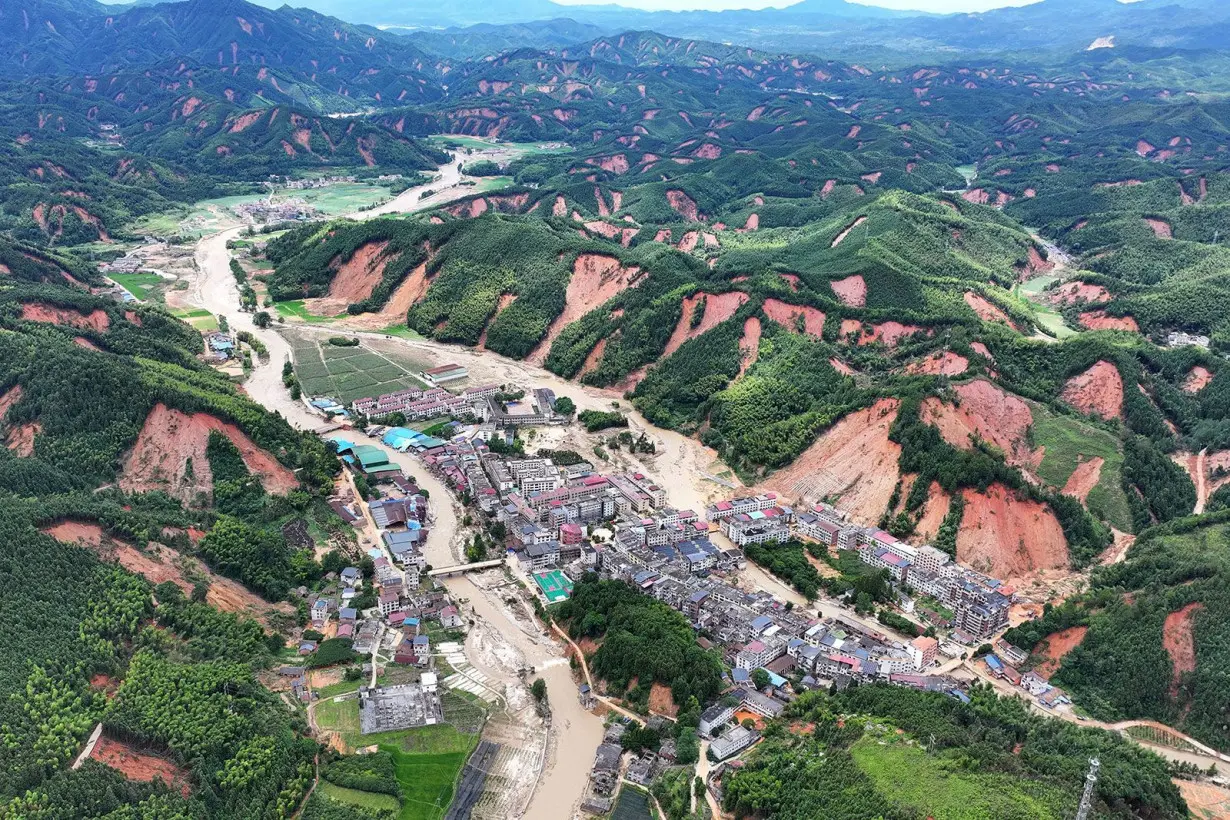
[[939, 6]]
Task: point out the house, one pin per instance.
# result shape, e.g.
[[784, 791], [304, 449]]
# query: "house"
[[733, 742], [389, 602], [1035, 684], [307, 647], [715, 717], [352, 576], [347, 614], [540, 556], [422, 645], [346, 630], [450, 618]]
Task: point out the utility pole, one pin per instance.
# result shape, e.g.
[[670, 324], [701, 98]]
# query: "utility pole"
[[1091, 780]]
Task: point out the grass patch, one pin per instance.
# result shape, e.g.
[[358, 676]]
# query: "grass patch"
[[427, 780], [477, 144], [1069, 441], [139, 285], [200, 319], [339, 688], [296, 310], [941, 788], [355, 797], [401, 332]]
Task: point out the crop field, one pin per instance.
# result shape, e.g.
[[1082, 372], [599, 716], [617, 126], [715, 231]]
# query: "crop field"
[[295, 309], [199, 318], [1047, 317], [429, 759], [348, 373], [476, 144], [139, 285]]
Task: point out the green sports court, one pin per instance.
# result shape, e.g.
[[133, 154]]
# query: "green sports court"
[[555, 585]]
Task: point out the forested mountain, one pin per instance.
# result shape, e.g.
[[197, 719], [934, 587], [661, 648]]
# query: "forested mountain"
[[102, 409], [955, 274]]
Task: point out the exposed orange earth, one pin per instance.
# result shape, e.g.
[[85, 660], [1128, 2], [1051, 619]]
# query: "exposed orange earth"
[[354, 280], [1099, 320], [596, 278], [1197, 379], [140, 766], [591, 360], [1056, 646], [718, 308], [851, 291], [986, 311], [945, 363], [887, 332], [934, 510], [1075, 292], [38, 312], [1098, 391], [1084, 478], [986, 412], [506, 299], [853, 460], [1009, 537], [170, 438], [20, 439], [787, 316], [749, 345], [683, 204], [837, 240], [159, 564], [1161, 229], [1179, 643]]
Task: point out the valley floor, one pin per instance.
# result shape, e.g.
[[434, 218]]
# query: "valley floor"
[[506, 640]]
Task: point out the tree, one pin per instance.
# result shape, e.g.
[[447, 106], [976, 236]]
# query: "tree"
[[760, 678], [564, 406], [539, 689], [261, 319]]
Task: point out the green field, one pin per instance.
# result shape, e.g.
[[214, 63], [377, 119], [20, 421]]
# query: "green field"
[[355, 797], [296, 310], [139, 285], [401, 332], [339, 688], [633, 804], [429, 759], [428, 779], [210, 215], [349, 373], [944, 789], [199, 318], [1069, 441], [1049, 319], [477, 144]]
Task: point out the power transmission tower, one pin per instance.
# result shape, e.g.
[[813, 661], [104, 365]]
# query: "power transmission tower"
[[1091, 781]]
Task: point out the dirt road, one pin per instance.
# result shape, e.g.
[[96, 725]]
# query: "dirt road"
[[1203, 757]]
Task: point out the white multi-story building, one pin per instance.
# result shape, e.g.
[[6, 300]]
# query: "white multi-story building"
[[735, 506]]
